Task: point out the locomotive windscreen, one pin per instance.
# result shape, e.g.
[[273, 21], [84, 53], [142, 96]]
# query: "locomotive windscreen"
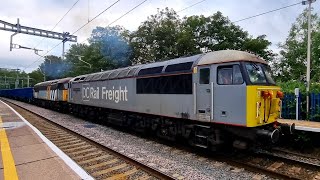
[[259, 74]]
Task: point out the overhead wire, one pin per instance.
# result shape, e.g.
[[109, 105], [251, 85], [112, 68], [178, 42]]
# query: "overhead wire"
[[75, 32], [123, 15], [177, 12], [87, 23], [59, 21], [284, 7], [190, 6], [127, 12], [96, 16], [109, 23]]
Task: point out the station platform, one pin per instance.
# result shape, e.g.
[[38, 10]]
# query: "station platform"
[[27, 154], [303, 125]]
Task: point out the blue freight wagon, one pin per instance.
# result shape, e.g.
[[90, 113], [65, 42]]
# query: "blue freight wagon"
[[21, 94]]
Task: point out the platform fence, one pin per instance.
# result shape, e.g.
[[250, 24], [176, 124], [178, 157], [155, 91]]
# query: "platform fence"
[[289, 107]]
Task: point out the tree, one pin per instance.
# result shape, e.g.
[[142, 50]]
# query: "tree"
[[36, 76], [259, 46], [91, 59], [217, 32], [293, 56], [113, 44], [108, 49], [156, 39], [8, 77], [77, 67], [54, 67], [165, 36], [162, 36]]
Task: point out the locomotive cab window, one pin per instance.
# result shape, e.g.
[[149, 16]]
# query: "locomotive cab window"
[[259, 73], [229, 75], [204, 76], [268, 74], [65, 86]]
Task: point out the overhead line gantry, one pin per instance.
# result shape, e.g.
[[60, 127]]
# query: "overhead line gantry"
[[18, 28]]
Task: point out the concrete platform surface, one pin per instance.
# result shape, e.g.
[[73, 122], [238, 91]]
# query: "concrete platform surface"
[[303, 125], [27, 154]]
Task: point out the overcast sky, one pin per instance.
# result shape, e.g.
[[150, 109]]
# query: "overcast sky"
[[44, 14]]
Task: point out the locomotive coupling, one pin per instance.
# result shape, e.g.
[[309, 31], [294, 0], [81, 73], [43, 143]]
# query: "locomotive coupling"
[[286, 128], [268, 135]]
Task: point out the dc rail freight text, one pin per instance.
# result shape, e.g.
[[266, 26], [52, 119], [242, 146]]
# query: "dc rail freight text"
[[115, 95]]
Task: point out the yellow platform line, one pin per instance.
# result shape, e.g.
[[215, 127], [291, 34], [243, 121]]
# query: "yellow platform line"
[[9, 168]]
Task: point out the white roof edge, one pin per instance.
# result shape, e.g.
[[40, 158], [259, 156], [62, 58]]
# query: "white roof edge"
[[228, 56]]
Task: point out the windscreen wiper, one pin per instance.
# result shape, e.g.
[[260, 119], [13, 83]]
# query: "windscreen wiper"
[[255, 66]]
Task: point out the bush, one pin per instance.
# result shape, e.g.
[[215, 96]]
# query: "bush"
[[288, 87]]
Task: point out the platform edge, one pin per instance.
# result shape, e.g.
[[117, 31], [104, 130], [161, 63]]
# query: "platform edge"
[[74, 166]]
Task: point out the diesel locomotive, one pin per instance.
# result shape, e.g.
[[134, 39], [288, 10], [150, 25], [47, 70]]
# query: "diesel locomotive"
[[213, 99]]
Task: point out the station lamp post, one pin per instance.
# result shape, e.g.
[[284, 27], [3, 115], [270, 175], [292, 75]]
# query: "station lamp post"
[[308, 51]]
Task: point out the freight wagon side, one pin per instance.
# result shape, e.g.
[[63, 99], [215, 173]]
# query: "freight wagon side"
[[21, 94]]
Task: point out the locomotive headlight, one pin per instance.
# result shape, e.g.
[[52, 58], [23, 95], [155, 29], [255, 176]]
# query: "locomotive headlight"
[[264, 94], [279, 94], [271, 94]]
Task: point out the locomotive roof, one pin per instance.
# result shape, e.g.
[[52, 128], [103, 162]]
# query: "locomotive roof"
[[46, 83], [224, 56], [186, 64], [64, 80]]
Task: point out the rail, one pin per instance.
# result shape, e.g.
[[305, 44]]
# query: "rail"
[[98, 160]]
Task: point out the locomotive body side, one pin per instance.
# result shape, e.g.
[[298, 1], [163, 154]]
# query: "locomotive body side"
[[210, 98], [151, 92]]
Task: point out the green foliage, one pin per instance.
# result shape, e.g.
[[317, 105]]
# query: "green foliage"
[[290, 67], [162, 36], [108, 49], [258, 45], [157, 38], [10, 78], [165, 36], [54, 67], [91, 61], [290, 104], [293, 59], [289, 86], [113, 44], [36, 77]]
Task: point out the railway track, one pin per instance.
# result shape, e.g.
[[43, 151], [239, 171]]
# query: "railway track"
[[99, 161], [103, 163], [277, 166], [314, 158]]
